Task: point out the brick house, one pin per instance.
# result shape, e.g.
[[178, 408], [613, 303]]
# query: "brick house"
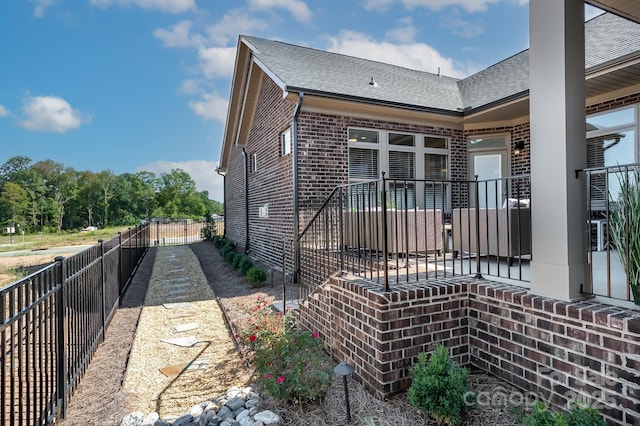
[[303, 121]]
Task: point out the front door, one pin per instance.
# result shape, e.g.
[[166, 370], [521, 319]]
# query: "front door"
[[488, 160]]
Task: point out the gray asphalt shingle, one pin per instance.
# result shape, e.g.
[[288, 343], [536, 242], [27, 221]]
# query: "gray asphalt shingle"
[[301, 68]]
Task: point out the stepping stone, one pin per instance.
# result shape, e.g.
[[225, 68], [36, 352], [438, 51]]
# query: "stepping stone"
[[184, 315], [185, 342], [184, 327], [183, 280], [176, 370], [176, 270], [178, 305], [177, 291]]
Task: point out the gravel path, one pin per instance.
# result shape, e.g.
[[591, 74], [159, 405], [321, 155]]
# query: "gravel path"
[[125, 376]]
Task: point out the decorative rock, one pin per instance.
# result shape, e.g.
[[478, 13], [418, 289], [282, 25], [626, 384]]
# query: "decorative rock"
[[257, 424], [247, 421], [235, 403], [210, 419], [251, 403], [161, 422], [229, 422], [196, 410], [150, 420], [225, 413], [267, 417], [133, 419], [184, 420], [243, 414]]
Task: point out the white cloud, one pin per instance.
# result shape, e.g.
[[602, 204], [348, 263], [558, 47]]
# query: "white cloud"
[[41, 6], [190, 87], [202, 172], [461, 27], [179, 35], [297, 8], [417, 56], [51, 114], [3, 111], [233, 23], [217, 61], [169, 6], [211, 106], [379, 5], [405, 33], [468, 5]]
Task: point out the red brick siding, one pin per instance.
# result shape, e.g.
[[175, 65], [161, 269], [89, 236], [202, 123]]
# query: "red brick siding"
[[559, 351]]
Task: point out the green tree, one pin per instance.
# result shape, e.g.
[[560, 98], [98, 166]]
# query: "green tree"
[[178, 197], [16, 202]]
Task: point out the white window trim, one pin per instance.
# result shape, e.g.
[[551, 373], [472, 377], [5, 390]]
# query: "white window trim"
[[285, 142], [418, 149]]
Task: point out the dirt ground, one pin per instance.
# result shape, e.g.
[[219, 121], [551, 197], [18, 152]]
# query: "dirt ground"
[[103, 398]]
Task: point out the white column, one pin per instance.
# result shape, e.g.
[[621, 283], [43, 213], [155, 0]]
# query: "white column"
[[558, 148]]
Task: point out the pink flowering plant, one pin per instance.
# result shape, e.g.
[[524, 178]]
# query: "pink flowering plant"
[[291, 362]]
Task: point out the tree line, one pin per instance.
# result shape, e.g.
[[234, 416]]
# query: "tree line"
[[47, 196]]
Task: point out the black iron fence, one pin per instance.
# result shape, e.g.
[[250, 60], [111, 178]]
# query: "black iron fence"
[[171, 232], [613, 229], [53, 321], [390, 230]]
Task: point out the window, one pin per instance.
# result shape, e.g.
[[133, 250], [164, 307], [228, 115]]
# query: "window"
[[285, 143], [254, 162], [611, 137], [402, 166], [436, 192], [415, 165]]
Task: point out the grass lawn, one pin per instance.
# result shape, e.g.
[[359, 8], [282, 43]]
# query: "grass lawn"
[[13, 268]]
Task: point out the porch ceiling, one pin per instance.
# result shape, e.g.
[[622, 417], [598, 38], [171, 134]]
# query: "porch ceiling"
[[629, 9]]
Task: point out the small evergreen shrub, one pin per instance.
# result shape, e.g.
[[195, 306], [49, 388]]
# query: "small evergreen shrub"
[[439, 387], [256, 276], [217, 241], [229, 256], [235, 262], [245, 265], [580, 415], [226, 248]]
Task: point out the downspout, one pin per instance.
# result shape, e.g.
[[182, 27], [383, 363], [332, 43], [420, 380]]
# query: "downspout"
[[294, 172], [246, 199], [224, 198], [294, 165]]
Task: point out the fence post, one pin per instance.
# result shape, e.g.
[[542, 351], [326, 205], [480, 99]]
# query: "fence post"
[[478, 274], [385, 242], [102, 285], [61, 337], [120, 284], [129, 250], [341, 213]]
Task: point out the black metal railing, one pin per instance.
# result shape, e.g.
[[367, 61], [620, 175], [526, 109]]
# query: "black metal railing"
[[398, 230], [53, 321], [171, 232], [613, 229]]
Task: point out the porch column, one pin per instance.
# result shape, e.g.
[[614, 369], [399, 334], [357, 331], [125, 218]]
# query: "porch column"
[[558, 148]]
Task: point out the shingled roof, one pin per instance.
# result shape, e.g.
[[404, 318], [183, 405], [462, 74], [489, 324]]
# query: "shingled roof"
[[313, 71]]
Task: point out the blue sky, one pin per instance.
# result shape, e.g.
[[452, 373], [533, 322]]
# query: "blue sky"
[[131, 85]]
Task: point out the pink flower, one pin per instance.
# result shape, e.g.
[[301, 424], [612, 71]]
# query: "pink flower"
[[280, 379], [252, 338], [267, 376], [315, 335]]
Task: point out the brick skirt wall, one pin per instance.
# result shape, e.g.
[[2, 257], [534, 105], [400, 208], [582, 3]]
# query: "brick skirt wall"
[[554, 350]]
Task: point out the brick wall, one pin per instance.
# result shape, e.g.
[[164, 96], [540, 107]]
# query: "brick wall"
[[558, 351]]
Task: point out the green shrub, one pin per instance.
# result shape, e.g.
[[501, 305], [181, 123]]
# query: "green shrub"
[[291, 362], [245, 265], [580, 415], [229, 256], [218, 241], [256, 276], [439, 387], [235, 262], [227, 247]]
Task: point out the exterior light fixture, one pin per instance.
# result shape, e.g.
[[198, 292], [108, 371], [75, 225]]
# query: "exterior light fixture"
[[519, 147], [343, 369]]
